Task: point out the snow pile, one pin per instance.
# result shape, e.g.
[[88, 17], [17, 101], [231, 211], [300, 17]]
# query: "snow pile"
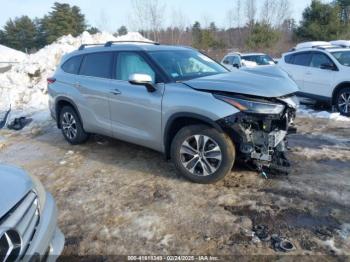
[[307, 112], [25, 86], [10, 55]]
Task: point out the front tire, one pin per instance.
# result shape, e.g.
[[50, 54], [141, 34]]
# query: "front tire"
[[343, 101], [202, 154], [72, 128]]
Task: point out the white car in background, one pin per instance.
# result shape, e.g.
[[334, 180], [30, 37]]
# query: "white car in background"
[[322, 72], [237, 60]]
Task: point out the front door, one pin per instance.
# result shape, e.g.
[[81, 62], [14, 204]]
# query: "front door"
[[135, 112], [320, 75]]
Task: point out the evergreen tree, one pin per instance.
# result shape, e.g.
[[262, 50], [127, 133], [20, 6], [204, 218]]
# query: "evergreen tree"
[[63, 20], [321, 22], [19, 33], [122, 30], [345, 10], [93, 30], [197, 35], [262, 36]]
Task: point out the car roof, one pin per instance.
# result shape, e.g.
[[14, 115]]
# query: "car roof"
[[322, 49], [129, 47], [252, 54]]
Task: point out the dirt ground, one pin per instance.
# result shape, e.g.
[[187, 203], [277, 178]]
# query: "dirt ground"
[[118, 198]]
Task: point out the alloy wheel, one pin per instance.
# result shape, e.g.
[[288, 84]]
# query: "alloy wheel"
[[69, 125], [201, 155], [344, 102]]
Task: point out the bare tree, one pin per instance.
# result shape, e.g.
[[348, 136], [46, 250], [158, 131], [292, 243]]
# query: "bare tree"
[[275, 12], [179, 22], [234, 15], [148, 16], [250, 11]]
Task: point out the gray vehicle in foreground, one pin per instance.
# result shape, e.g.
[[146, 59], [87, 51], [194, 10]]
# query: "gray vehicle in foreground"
[[177, 101], [28, 219]]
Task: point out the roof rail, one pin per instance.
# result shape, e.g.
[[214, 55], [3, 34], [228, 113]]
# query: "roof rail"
[[82, 47], [110, 43]]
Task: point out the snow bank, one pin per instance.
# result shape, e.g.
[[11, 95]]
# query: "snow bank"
[[10, 55], [25, 87], [307, 112]]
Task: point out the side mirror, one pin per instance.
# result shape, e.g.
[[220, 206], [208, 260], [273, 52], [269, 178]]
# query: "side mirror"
[[236, 65], [328, 67], [142, 80]]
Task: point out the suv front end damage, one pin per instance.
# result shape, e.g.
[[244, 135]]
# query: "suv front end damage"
[[260, 130]]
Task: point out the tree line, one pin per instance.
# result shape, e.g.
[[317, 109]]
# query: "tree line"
[[265, 27]]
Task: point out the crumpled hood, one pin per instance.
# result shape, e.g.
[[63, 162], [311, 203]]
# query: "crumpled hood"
[[14, 185], [263, 81]]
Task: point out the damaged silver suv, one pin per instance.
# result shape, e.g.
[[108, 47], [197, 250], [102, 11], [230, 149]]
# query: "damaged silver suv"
[[177, 101]]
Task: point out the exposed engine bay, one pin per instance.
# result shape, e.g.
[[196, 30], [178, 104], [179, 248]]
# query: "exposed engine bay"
[[261, 139]]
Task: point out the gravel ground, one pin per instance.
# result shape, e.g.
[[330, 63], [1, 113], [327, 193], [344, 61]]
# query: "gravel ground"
[[118, 198]]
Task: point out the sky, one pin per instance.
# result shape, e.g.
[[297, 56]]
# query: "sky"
[[108, 15]]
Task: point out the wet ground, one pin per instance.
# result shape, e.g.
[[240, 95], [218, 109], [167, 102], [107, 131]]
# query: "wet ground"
[[118, 198]]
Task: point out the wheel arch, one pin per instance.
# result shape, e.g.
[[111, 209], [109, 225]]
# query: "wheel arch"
[[336, 90], [180, 120], [62, 102]]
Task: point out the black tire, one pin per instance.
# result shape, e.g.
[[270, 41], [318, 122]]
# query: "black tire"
[[80, 136], [221, 139], [343, 93]]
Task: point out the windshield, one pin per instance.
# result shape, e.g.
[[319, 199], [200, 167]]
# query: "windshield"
[[343, 57], [183, 65], [259, 59]]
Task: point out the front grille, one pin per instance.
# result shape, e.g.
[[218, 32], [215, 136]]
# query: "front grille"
[[24, 218]]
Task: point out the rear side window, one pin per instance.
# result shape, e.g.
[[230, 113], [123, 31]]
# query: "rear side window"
[[302, 59], [289, 59], [72, 65], [97, 65]]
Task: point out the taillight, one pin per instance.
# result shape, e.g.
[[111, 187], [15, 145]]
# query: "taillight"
[[51, 80]]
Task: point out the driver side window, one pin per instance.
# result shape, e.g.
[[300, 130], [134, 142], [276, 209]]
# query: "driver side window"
[[129, 63]]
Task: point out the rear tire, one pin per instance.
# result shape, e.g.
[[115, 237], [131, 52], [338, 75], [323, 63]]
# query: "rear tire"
[[71, 126], [202, 154], [343, 101]]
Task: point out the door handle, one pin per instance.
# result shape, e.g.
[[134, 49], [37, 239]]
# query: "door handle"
[[308, 73], [116, 92], [77, 84]]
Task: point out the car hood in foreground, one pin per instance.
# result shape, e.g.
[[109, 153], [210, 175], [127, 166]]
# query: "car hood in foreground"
[[14, 185], [264, 81]]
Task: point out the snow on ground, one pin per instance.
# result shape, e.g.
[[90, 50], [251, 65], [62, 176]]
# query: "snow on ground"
[[24, 86], [304, 111]]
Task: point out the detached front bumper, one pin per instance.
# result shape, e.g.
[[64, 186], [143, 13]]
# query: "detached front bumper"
[[48, 241]]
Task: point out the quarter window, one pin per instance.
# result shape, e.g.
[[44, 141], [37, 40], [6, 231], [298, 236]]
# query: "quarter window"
[[97, 65], [72, 65]]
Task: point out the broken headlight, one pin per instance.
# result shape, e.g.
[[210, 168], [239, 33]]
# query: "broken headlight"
[[251, 106]]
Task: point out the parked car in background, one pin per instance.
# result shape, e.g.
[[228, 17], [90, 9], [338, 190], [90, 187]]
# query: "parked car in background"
[[28, 219], [177, 101], [237, 60], [322, 72]]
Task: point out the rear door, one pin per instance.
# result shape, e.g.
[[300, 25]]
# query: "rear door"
[[296, 66], [319, 78], [135, 112], [94, 84]]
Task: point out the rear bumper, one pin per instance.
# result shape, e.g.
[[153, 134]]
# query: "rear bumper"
[[48, 239]]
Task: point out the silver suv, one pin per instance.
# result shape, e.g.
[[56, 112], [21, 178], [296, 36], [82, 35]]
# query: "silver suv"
[[28, 219], [177, 101]]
